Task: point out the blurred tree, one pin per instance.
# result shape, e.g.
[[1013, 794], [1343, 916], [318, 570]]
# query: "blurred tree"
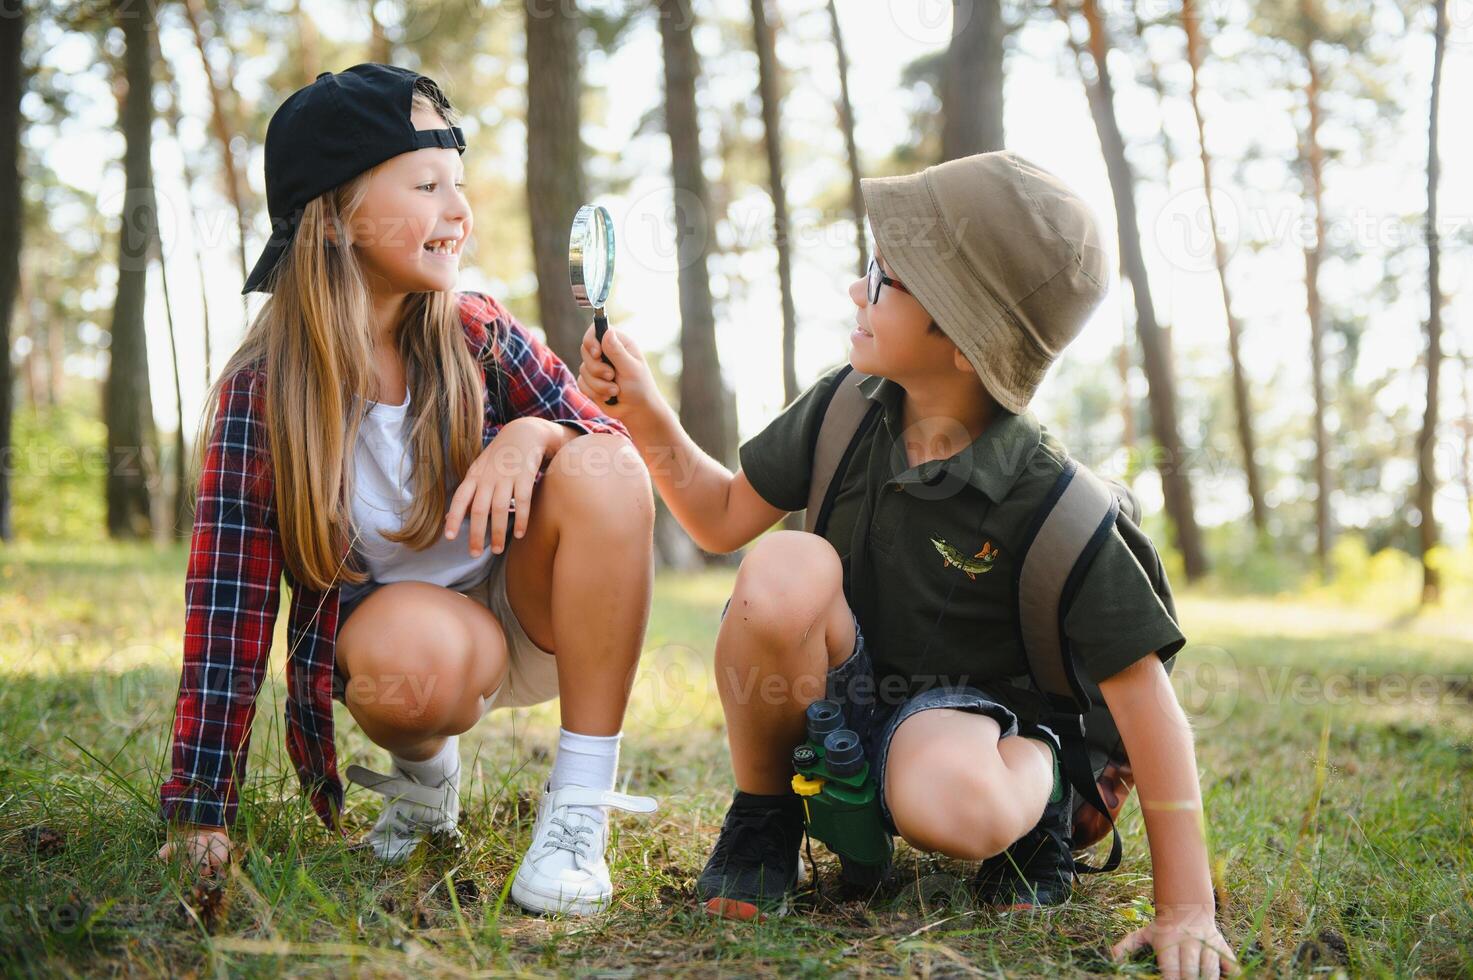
[[173, 115], [308, 60], [555, 182], [127, 404], [972, 80], [183, 510], [851, 148], [1312, 160], [1242, 404], [12, 88], [380, 48], [1465, 426], [183, 519], [769, 89], [225, 126], [1092, 60], [702, 390], [1427, 438]]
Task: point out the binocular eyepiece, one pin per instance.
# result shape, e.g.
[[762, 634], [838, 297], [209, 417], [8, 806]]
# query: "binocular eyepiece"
[[841, 749]]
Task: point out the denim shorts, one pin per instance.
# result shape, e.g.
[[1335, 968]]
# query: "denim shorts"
[[874, 718]]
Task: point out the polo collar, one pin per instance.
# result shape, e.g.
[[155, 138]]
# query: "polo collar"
[[991, 464]]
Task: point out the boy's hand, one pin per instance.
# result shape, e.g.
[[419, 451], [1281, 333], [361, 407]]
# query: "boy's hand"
[[501, 479], [628, 376], [1187, 944], [205, 849]]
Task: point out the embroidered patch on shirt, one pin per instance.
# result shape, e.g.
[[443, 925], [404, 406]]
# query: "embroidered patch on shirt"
[[978, 564]]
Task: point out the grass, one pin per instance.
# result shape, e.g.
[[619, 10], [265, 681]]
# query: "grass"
[[1334, 746]]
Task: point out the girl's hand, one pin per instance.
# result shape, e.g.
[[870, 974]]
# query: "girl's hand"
[[1188, 944], [501, 480], [205, 849], [628, 376]]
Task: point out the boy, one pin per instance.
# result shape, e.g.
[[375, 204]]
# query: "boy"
[[901, 609]]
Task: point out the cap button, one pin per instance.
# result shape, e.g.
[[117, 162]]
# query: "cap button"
[[323, 75]]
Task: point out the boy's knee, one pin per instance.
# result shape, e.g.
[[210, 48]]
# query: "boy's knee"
[[786, 581], [945, 797], [966, 821]]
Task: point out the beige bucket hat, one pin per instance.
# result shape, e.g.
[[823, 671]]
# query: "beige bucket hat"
[[1006, 259]]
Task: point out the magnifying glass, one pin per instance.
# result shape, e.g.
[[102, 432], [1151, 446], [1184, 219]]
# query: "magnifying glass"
[[591, 266]]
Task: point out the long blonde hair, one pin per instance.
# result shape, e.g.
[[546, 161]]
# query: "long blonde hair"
[[313, 340]]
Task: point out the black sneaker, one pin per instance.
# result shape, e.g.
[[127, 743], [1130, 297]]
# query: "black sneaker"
[[1038, 868], [754, 865]]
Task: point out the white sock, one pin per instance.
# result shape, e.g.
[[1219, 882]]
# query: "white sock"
[[585, 760], [437, 768]]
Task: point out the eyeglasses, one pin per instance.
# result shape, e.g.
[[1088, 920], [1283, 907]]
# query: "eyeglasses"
[[877, 278]]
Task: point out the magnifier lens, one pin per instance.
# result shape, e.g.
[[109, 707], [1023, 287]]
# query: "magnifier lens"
[[595, 261]]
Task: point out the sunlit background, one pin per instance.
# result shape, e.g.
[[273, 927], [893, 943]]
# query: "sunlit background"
[[1375, 61]]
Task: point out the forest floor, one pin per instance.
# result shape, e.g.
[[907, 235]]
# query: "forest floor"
[[1335, 745]]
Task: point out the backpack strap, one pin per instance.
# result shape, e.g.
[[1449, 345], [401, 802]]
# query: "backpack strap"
[[845, 418], [1067, 531]]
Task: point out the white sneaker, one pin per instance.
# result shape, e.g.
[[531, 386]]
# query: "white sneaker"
[[412, 812], [564, 868]]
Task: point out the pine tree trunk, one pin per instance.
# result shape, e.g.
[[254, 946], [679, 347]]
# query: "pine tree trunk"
[[555, 184], [12, 31], [851, 147], [1427, 439], [972, 80], [1247, 444], [702, 398], [309, 45], [182, 523], [172, 117], [380, 50], [127, 405], [220, 121], [1155, 346], [768, 87], [1312, 161], [1467, 378]]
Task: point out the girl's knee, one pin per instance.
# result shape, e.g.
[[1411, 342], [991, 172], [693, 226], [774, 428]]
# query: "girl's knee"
[[420, 667], [603, 473]]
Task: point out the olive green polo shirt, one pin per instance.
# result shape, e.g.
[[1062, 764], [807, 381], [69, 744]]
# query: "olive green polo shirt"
[[929, 551]]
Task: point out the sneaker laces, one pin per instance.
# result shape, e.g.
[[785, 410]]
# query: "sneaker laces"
[[576, 838]]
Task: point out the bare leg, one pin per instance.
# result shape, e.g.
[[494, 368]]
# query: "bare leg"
[[787, 624], [953, 787], [419, 660], [580, 580]]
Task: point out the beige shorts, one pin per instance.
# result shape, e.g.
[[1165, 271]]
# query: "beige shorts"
[[531, 672]]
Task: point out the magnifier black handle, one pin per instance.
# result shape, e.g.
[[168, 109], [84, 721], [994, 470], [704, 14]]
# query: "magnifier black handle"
[[601, 324]]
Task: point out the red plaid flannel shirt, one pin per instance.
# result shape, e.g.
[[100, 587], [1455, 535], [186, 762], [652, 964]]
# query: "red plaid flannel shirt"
[[236, 562]]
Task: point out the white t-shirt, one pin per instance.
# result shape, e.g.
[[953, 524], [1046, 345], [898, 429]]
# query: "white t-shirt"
[[383, 490]]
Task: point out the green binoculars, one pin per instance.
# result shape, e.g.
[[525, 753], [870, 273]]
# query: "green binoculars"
[[841, 804]]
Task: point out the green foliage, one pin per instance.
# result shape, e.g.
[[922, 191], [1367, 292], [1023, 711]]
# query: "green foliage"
[[58, 471]]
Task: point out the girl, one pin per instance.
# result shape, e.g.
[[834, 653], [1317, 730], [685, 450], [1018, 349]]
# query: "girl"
[[371, 429]]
